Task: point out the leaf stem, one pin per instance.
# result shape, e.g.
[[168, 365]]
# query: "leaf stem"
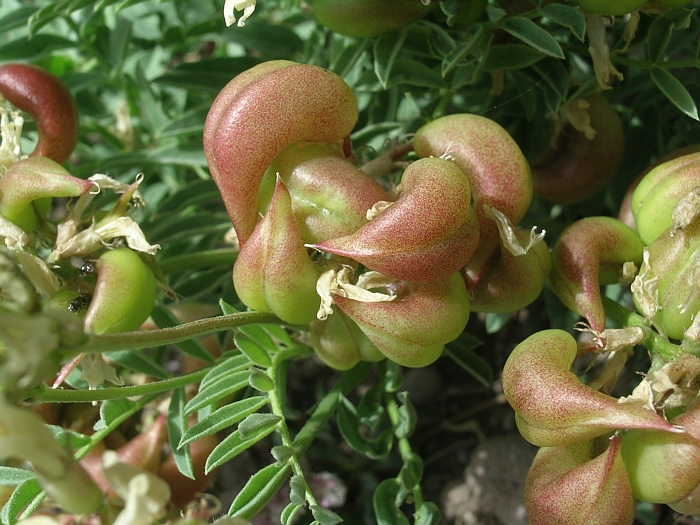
[[276, 406], [407, 454]]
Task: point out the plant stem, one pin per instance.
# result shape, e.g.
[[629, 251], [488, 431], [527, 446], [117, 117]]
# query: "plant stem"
[[655, 343], [44, 394], [407, 454], [277, 409], [165, 336]]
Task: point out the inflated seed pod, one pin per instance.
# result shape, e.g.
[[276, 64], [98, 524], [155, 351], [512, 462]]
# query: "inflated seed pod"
[[330, 195], [413, 329], [124, 294], [427, 234], [260, 113], [273, 272], [368, 18], [610, 7], [673, 264], [340, 343], [584, 483], [589, 253], [552, 406], [512, 282], [498, 174], [625, 213], [580, 165], [658, 193], [47, 100], [28, 185]]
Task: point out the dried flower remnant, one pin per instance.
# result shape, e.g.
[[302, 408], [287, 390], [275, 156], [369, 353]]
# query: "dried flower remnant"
[[247, 6]]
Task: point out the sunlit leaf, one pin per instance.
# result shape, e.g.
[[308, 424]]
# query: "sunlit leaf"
[[675, 91]]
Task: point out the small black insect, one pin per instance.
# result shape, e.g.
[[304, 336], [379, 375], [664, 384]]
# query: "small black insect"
[[79, 302], [87, 268]]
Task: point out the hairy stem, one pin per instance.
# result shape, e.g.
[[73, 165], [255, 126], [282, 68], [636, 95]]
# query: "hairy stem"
[[165, 336], [44, 394]]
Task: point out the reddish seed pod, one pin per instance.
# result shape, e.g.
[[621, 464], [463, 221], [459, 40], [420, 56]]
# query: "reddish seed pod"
[[48, 101], [578, 167]]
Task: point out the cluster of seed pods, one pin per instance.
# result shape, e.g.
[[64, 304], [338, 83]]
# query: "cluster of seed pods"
[[115, 290], [377, 271], [124, 292], [599, 454]]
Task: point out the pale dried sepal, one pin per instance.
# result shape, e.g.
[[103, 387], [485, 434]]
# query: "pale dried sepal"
[[247, 6], [72, 223], [693, 332], [630, 30], [95, 237], [693, 291], [11, 123], [377, 209], [231, 239], [576, 112], [686, 211], [628, 273], [613, 367], [615, 339], [39, 274], [507, 232], [642, 396], [145, 495], [646, 290], [105, 182], [600, 52], [14, 236], [95, 371], [677, 378], [338, 282], [372, 279], [131, 231]]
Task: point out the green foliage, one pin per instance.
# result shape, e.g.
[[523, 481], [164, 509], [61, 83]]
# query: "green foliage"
[[145, 73]]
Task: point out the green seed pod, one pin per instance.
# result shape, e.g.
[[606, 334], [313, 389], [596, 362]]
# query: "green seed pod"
[[368, 18], [273, 272], [664, 467], [27, 184], [610, 7], [512, 282], [124, 294], [658, 193], [330, 195], [340, 343], [675, 261]]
